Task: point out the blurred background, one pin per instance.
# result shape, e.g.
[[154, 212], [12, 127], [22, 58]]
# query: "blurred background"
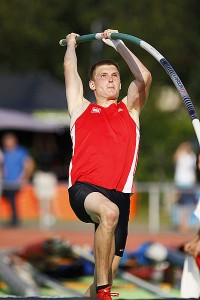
[[32, 81], [33, 110]]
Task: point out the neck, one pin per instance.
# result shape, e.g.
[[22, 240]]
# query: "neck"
[[106, 102]]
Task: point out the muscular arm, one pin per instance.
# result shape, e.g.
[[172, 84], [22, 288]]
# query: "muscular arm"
[[73, 83], [139, 88]]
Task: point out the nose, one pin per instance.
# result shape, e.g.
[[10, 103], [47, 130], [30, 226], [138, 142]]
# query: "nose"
[[110, 79]]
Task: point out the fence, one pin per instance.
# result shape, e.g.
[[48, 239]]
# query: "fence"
[[151, 206]]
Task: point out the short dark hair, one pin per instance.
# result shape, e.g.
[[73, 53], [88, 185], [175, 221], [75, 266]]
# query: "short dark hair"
[[101, 63]]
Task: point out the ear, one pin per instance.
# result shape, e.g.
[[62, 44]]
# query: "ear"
[[92, 85]]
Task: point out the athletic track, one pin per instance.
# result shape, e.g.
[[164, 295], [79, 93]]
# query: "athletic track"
[[82, 234]]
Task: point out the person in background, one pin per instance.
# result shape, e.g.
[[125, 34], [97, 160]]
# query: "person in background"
[[18, 167], [193, 245], [190, 279], [1, 171], [105, 138], [185, 180]]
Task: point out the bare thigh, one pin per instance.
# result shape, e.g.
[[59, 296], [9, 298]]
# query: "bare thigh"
[[96, 204]]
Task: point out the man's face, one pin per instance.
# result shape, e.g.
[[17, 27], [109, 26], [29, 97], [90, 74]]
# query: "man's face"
[[9, 142], [106, 82]]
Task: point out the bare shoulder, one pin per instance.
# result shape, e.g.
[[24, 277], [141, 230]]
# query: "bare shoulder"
[[78, 110]]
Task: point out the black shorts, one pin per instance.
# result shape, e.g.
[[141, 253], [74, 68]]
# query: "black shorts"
[[80, 190]]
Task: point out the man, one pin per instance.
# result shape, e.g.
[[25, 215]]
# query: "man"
[[185, 179], [190, 280], [1, 170], [105, 138], [192, 246], [17, 170]]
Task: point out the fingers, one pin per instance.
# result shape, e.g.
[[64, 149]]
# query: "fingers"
[[106, 34], [197, 249], [71, 39], [192, 247]]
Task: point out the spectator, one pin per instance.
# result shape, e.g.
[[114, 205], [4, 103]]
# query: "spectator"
[[1, 170], [18, 167], [193, 245], [185, 165], [191, 269], [185, 180]]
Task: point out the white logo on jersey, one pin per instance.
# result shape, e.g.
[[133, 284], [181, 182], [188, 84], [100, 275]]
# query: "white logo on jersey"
[[120, 109], [96, 110]]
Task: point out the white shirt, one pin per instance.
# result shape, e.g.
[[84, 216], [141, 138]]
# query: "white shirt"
[[185, 174], [197, 210]]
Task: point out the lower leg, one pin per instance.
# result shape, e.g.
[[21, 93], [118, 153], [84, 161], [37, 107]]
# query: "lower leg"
[[91, 291], [104, 253], [105, 214], [14, 215]]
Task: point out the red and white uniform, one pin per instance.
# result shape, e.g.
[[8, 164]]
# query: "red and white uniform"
[[105, 147]]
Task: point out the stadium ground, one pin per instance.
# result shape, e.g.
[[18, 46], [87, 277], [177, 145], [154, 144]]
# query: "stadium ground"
[[81, 234]]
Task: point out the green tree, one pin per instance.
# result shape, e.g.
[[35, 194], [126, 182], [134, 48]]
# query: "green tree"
[[30, 32]]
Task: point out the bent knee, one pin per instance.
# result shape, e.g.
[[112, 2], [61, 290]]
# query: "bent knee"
[[110, 215]]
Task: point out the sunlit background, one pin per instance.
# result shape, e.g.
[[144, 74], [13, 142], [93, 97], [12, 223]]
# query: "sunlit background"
[[31, 69], [33, 102]]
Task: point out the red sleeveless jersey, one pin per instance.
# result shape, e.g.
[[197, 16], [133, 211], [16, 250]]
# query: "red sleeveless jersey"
[[105, 147]]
